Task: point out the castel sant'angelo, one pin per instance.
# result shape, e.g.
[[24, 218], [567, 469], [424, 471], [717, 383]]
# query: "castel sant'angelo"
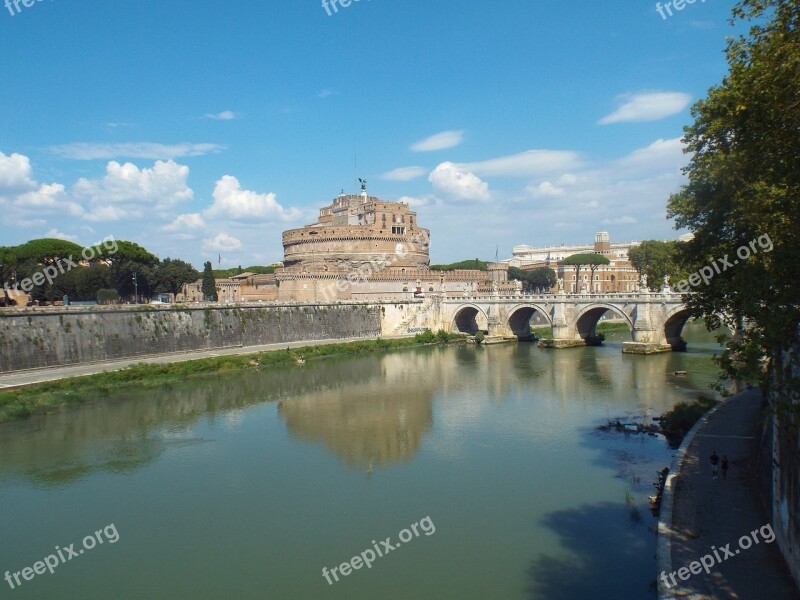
[[364, 248]]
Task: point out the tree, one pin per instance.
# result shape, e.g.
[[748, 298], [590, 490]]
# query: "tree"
[[541, 278], [47, 251], [742, 199], [657, 260], [172, 274], [8, 263], [590, 259], [125, 259], [209, 285]]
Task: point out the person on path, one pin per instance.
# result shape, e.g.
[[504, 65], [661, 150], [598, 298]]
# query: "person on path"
[[714, 465], [724, 466]]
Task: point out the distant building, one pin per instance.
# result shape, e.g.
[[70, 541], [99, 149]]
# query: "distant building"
[[618, 276], [245, 287]]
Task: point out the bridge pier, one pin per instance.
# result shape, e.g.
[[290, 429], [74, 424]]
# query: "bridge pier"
[[564, 336], [646, 338]]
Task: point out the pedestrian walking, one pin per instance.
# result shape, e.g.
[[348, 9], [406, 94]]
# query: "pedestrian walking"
[[724, 466], [714, 465]]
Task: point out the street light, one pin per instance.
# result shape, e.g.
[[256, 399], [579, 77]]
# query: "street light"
[[136, 283]]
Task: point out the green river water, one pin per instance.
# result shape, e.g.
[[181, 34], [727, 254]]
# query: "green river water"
[[247, 486]]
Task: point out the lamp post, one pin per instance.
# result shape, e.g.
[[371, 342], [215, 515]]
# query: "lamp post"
[[136, 283]]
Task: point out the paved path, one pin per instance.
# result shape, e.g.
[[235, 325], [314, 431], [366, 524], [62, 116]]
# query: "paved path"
[[19, 378], [708, 512]]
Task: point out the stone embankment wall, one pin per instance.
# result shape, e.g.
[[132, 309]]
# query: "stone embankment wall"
[[48, 337], [785, 402]]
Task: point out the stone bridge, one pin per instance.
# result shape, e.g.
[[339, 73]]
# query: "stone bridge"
[[655, 319]]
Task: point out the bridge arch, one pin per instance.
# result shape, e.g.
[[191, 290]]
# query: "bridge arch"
[[519, 319], [589, 317], [470, 319], [673, 327]]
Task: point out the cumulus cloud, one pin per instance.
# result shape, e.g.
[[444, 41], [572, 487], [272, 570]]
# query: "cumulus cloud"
[[49, 198], [15, 173], [439, 141], [149, 150], [404, 173], [127, 191], [225, 115], [546, 189], [231, 201], [187, 221], [222, 241], [456, 184], [531, 163], [647, 106]]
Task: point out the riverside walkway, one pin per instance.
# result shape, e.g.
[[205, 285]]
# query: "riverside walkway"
[[28, 377], [704, 512]]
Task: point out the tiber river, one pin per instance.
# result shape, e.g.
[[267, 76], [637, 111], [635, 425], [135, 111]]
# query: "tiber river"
[[247, 486]]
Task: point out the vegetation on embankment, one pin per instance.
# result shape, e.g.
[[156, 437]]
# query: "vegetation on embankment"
[[604, 327], [544, 332], [676, 423], [43, 398]]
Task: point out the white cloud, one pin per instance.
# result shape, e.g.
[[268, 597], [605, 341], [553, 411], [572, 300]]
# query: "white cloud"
[[326, 92], [99, 151], [525, 164], [404, 173], [49, 197], [231, 201], [15, 173], [440, 141], [55, 233], [129, 192], [187, 221], [647, 106], [222, 241], [225, 115], [454, 183], [546, 190], [661, 155]]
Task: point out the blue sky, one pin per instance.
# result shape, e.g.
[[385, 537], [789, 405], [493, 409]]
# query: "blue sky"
[[206, 128]]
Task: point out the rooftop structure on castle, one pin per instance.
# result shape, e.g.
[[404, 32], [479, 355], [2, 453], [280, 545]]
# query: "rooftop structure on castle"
[[355, 230]]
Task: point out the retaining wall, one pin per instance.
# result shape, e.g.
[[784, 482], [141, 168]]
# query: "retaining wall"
[[48, 337]]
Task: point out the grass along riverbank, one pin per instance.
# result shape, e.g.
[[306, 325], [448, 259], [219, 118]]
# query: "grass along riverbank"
[[51, 396], [544, 332]]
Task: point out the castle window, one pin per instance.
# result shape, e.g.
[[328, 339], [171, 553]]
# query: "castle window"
[[398, 230]]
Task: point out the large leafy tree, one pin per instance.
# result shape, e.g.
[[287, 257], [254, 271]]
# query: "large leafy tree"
[[589, 259], [542, 278], [30, 256], [126, 258], [743, 187], [657, 259], [171, 275]]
